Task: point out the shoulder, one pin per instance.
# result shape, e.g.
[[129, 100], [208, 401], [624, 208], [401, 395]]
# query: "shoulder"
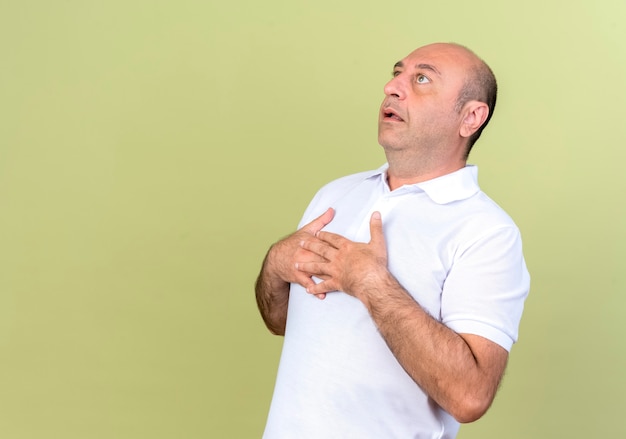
[[328, 194], [483, 212], [346, 183]]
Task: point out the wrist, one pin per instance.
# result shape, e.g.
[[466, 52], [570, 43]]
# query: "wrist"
[[276, 269], [376, 287]]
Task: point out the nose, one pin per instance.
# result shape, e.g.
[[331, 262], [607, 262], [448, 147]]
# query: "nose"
[[395, 87]]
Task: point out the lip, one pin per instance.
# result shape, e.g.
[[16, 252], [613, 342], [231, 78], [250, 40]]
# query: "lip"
[[390, 114]]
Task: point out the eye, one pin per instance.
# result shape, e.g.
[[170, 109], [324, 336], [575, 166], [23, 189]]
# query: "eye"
[[421, 79], [395, 73]]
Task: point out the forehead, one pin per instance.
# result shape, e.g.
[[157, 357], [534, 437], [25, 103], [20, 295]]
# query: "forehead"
[[448, 61]]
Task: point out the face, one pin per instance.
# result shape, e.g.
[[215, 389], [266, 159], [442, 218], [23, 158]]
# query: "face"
[[418, 112]]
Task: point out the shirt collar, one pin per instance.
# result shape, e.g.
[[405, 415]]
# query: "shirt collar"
[[456, 186]]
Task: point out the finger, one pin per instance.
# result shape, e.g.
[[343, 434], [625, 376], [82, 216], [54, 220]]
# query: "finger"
[[377, 237], [318, 248], [318, 223], [314, 268], [304, 255], [331, 238], [321, 288], [304, 279], [307, 282]]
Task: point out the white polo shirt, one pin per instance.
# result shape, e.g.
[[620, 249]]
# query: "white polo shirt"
[[454, 250]]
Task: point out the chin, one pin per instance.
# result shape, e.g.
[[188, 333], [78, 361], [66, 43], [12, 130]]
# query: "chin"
[[387, 141]]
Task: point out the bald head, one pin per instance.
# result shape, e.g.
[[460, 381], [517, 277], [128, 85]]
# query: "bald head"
[[480, 85], [435, 107]]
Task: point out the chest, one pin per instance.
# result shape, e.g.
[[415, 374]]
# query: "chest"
[[422, 239]]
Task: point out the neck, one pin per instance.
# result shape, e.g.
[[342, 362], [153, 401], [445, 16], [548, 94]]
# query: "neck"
[[403, 172]]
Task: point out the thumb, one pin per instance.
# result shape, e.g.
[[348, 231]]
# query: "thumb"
[[376, 230], [318, 223]]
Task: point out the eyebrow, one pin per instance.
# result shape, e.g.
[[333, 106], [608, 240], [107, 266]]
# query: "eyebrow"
[[429, 67]]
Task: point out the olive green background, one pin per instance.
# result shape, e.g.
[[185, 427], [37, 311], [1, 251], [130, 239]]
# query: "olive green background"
[[151, 151]]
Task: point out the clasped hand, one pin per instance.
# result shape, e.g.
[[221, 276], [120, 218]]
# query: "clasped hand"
[[344, 265]]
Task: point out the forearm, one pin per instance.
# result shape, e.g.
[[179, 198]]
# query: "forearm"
[[438, 359], [272, 298], [278, 272], [461, 372]]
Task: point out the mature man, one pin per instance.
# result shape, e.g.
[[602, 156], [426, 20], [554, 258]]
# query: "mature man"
[[422, 274]]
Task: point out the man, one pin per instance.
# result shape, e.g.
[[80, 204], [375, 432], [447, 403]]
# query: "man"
[[421, 275]]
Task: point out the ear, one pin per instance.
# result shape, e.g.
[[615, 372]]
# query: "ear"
[[475, 114]]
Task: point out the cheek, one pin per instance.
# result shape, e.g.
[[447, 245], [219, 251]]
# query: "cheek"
[[423, 114], [437, 113]]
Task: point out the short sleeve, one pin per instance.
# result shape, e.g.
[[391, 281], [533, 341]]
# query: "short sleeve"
[[486, 287]]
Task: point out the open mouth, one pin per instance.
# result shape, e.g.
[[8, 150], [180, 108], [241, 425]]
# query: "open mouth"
[[390, 115]]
